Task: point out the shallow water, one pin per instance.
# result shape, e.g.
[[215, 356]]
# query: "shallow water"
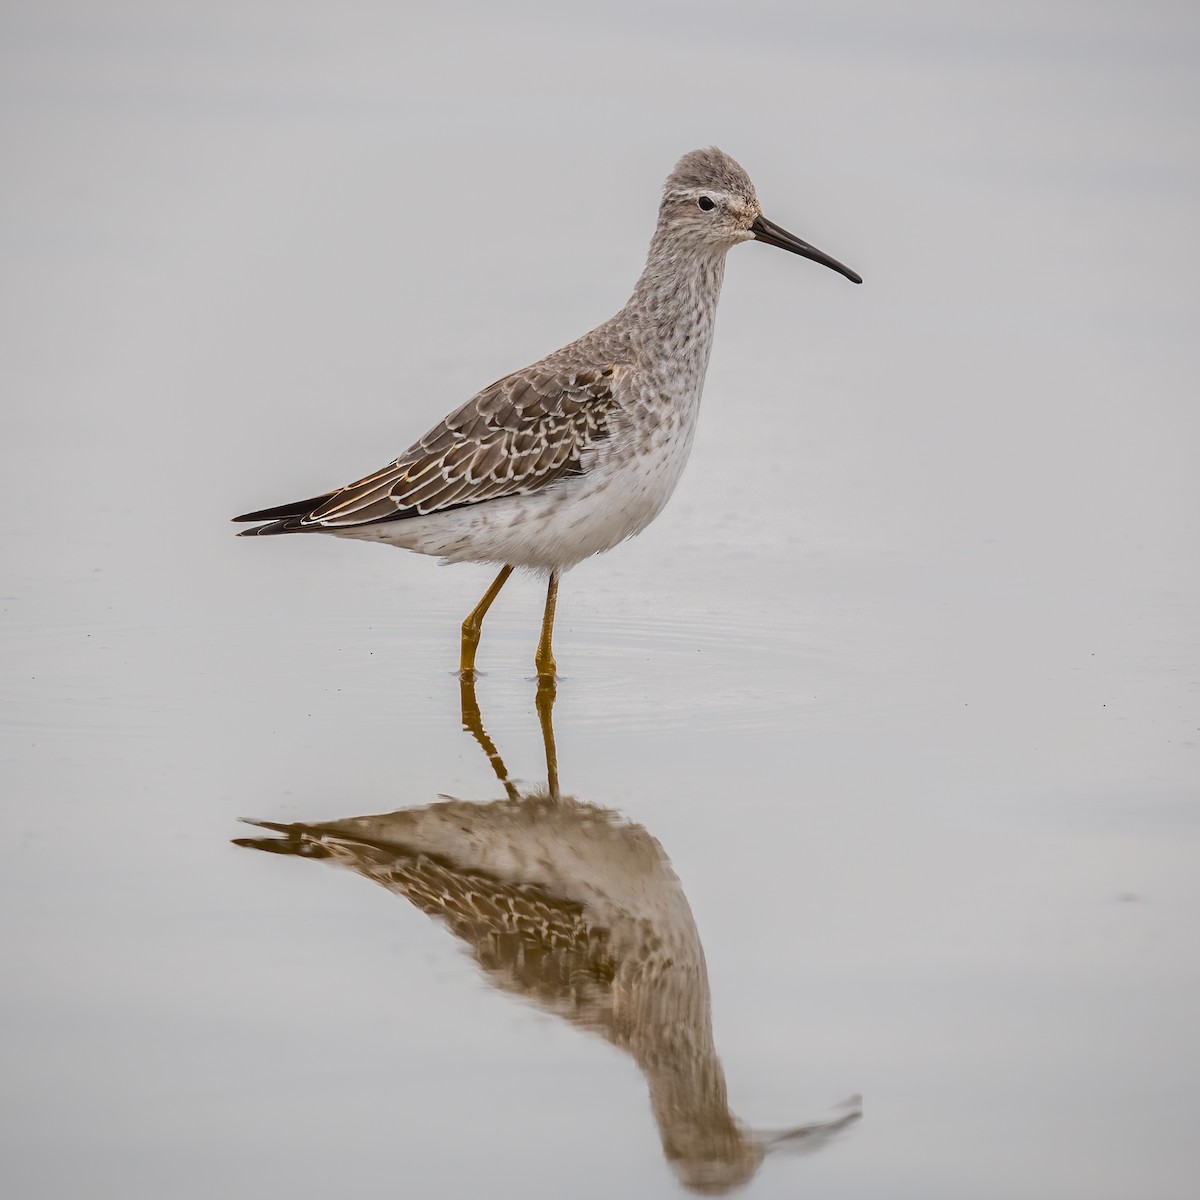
[[905, 683]]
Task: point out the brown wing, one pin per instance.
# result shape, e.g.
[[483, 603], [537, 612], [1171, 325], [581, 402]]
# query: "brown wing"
[[517, 436], [529, 940]]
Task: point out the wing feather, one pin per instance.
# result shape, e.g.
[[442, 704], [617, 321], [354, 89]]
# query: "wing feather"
[[521, 434]]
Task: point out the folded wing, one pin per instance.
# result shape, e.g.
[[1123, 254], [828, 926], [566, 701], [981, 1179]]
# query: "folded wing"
[[521, 434]]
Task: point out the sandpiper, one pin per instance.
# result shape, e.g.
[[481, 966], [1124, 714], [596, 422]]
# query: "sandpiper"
[[572, 455]]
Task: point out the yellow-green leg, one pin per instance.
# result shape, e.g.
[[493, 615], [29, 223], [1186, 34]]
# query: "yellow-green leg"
[[547, 688], [472, 627], [545, 651]]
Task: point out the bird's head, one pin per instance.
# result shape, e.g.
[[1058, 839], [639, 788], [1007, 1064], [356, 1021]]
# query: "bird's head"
[[709, 200]]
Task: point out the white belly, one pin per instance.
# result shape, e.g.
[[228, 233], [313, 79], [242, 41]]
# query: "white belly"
[[625, 485]]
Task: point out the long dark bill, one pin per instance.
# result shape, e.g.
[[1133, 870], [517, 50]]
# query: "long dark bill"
[[776, 235]]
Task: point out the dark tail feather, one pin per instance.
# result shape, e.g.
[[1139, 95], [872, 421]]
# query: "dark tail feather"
[[298, 847], [290, 525], [294, 840], [286, 518], [298, 508]]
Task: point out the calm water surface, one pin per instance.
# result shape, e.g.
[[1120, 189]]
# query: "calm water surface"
[[889, 725]]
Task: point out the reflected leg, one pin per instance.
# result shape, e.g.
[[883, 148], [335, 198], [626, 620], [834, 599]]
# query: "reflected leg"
[[546, 693], [472, 627], [472, 721], [545, 653]]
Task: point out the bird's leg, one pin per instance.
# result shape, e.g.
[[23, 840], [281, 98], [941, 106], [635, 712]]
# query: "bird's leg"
[[472, 627], [546, 691], [547, 688], [545, 652], [472, 722]]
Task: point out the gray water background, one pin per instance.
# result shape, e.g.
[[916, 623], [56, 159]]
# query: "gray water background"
[[905, 680]]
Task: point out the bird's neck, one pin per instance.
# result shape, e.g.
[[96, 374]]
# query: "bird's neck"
[[675, 300], [671, 1042]]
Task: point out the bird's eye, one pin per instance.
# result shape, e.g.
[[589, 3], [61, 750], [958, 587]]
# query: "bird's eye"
[[706, 203]]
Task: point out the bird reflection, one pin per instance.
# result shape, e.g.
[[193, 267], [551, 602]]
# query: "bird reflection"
[[570, 906]]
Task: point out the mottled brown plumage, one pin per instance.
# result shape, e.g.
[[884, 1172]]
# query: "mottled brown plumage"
[[522, 433], [569, 906]]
